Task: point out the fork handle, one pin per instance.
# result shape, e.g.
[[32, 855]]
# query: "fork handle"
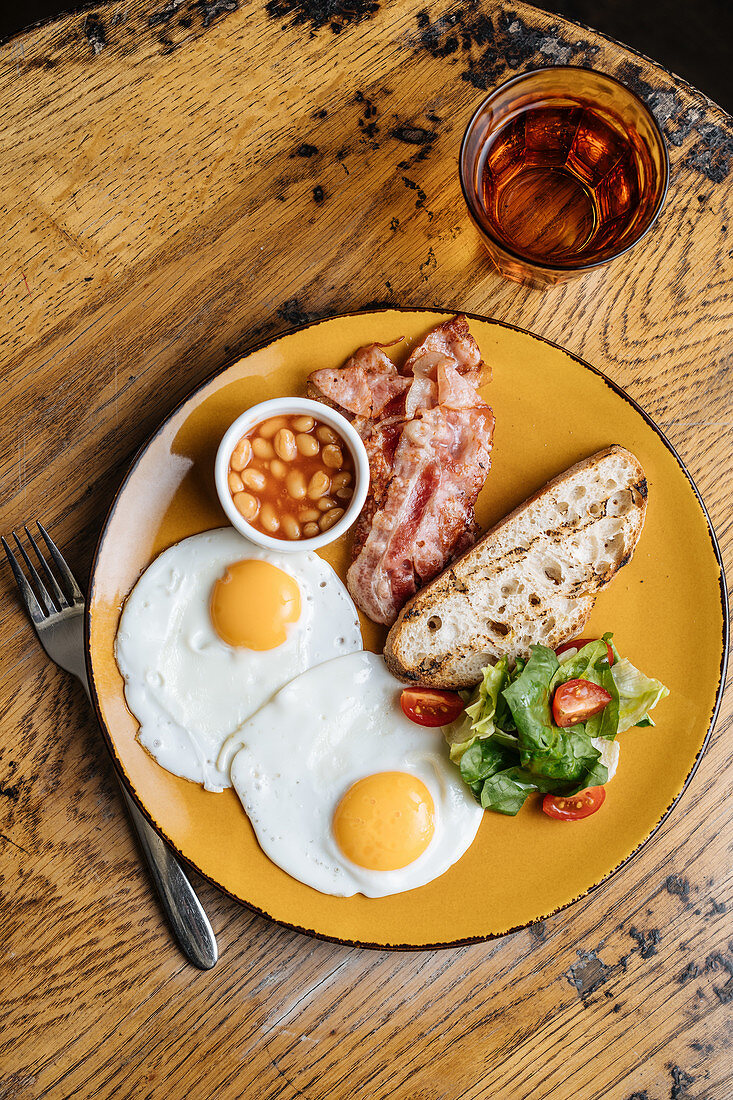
[[185, 912], [181, 905]]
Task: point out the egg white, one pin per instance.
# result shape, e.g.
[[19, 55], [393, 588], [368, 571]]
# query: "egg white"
[[187, 688], [293, 761]]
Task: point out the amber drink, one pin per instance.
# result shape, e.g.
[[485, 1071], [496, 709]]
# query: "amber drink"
[[563, 170]]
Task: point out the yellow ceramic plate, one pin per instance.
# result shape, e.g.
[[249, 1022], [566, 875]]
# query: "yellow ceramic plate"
[[551, 410]]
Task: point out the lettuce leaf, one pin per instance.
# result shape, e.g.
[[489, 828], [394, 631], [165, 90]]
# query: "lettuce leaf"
[[528, 698], [478, 718], [573, 759], [637, 694], [507, 791]]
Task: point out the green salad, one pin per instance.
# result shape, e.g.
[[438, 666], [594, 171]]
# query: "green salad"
[[547, 724]]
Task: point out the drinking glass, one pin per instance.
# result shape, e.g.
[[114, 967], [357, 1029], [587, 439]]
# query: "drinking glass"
[[563, 170]]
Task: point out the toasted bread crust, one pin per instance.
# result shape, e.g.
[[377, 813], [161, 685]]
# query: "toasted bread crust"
[[533, 578]]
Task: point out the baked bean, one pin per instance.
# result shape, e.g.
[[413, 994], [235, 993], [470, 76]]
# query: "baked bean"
[[307, 445], [295, 482], [328, 519], [254, 479], [262, 447], [269, 519], [241, 455], [285, 445], [332, 456], [318, 485], [270, 427], [341, 480], [303, 423], [246, 505], [290, 526], [235, 483], [291, 477]]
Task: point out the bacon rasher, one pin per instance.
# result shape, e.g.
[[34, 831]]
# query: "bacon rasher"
[[428, 436]]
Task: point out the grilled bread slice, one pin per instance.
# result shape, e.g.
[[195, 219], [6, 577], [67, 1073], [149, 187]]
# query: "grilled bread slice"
[[531, 579]]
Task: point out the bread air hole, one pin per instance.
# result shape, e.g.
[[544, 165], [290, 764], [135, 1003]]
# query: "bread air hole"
[[535, 600], [595, 509], [553, 572], [499, 628], [563, 507], [435, 622], [615, 546], [611, 484], [578, 492], [620, 503]]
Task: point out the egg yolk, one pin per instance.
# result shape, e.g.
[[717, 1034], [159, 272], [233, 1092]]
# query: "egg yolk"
[[252, 604], [384, 821]]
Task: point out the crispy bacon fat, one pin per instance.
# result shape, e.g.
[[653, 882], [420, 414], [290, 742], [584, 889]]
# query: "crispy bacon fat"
[[428, 436]]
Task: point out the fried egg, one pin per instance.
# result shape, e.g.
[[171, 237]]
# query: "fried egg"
[[345, 793], [212, 629]]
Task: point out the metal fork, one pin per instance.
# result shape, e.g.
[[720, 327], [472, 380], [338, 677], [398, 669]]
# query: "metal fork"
[[58, 620]]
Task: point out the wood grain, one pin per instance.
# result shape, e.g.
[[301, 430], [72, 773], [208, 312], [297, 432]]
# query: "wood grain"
[[181, 180]]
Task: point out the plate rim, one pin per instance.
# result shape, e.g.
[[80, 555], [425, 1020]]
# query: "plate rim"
[[119, 766]]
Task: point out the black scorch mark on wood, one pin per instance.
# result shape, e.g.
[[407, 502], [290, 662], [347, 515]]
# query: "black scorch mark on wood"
[[588, 974], [717, 961], [210, 12], [164, 14], [639, 1095], [711, 151], [318, 194], [647, 941], [292, 312], [430, 264], [678, 886], [305, 150], [212, 9], [95, 34], [691, 971], [681, 1082], [418, 136], [13, 793], [336, 14], [414, 135], [422, 198], [489, 46], [367, 123]]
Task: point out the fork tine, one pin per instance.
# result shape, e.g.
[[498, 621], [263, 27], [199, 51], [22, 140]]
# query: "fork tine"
[[29, 599], [66, 574], [51, 608], [50, 579]]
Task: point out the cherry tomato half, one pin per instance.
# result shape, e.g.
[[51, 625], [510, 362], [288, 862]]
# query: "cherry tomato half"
[[578, 644], [577, 700], [431, 707], [576, 807]]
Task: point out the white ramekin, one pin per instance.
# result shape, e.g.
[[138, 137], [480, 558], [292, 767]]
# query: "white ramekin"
[[279, 406]]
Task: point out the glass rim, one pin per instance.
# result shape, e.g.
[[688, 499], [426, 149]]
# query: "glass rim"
[[575, 267]]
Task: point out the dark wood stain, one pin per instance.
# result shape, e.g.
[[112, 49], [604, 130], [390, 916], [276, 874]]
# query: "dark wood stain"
[[336, 14]]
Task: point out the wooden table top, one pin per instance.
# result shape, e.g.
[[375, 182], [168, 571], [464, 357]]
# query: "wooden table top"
[[180, 181]]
